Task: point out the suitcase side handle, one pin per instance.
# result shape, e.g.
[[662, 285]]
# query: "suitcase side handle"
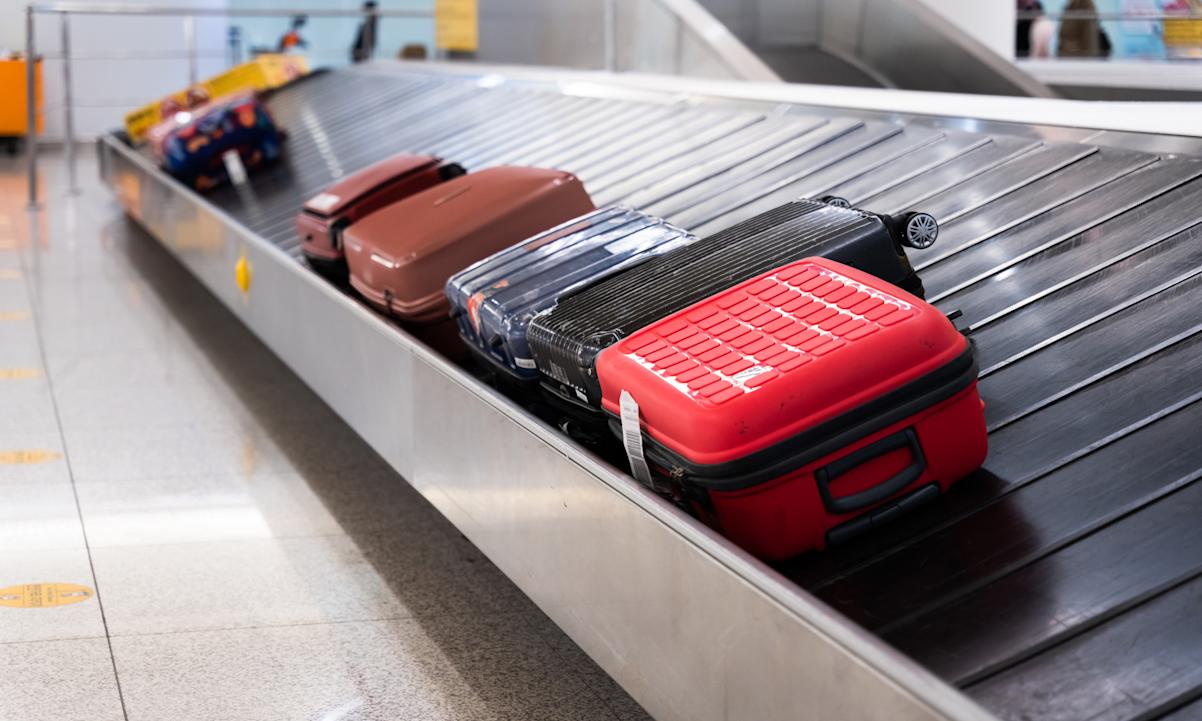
[[856, 501]]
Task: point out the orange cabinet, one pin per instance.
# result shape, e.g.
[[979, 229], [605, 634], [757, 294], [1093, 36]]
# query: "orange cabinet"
[[12, 97]]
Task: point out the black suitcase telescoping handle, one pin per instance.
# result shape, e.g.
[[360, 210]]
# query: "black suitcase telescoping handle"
[[903, 478]]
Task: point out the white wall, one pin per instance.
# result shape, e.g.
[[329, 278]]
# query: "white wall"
[[990, 22]]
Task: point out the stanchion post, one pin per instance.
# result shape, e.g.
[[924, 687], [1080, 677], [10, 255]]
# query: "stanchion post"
[[68, 105], [190, 43], [611, 35], [31, 109], [680, 36]]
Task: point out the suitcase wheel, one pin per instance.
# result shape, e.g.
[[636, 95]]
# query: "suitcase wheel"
[[836, 201], [450, 171], [920, 230]]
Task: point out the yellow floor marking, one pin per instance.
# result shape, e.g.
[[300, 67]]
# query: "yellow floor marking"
[[14, 315], [18, 374], [44, 595], [29, 457], [10, 274]]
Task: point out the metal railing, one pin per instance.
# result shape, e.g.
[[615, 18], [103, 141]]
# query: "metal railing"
[[691, 22], [191, 53], [1116, 16], [1149, 44]]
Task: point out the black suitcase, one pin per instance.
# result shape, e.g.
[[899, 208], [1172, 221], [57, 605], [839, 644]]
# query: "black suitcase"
[[565, 341]]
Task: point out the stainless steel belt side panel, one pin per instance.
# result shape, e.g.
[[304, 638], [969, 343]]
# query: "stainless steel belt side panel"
[[692, 627]]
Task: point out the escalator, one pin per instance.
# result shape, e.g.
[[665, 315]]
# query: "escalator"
[[871, 43]]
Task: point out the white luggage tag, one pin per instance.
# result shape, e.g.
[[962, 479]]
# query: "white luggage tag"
[[632, 438], [234, 166]]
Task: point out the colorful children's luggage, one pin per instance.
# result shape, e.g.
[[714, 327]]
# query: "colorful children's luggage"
[[495, 299], [565, 340], [401, 256], [800, 407], [325, 216], [191, 145]]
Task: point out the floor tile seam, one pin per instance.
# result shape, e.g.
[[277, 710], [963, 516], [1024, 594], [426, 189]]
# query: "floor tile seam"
[[90, 479], [66, 459], [179, 544], [417, 618], [445, 534], [269, 472], [67, 639]]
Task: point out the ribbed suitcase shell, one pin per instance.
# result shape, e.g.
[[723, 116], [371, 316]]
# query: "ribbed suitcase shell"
[[566, 340], [401, 256], [801, 400], [495, 299], [325, 215]]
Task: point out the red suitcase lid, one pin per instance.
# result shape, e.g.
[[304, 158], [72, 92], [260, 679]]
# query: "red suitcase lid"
[[774, 356], [338, 196]]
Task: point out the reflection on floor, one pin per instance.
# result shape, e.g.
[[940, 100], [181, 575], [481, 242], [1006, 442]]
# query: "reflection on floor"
[[236, 552]]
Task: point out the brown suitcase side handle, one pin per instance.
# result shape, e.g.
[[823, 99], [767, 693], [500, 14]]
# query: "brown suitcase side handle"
[[903, 478]]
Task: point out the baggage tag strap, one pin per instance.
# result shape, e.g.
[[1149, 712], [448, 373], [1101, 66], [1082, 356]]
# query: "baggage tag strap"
[[632, 439], [234, 167]]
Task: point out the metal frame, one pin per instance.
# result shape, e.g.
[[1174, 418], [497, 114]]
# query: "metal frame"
[[687, 13], [895, 33], [691, 626], [690, 15], [1136, 126]]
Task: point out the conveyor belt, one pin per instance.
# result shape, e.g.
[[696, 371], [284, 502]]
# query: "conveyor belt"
[[1063, 580]]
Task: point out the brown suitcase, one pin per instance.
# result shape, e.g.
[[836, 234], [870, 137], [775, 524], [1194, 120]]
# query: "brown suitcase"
[[326, 215], [401, 256]]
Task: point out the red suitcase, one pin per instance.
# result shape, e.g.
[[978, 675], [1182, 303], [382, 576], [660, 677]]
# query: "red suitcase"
[[401, 256], [325, 216], [801, 407]]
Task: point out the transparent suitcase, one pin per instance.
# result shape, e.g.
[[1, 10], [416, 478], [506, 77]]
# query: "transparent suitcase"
[[495, 299]]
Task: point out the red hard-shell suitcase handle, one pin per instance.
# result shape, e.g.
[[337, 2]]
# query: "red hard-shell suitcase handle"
[[903, 478]]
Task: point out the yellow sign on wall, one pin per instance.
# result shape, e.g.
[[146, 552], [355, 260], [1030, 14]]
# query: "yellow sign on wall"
[[44, 595], [1183, 33], [456, 25]]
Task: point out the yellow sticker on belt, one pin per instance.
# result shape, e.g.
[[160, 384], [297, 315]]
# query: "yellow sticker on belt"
[[14, 315], [14, 374], [24, 458], [10, 274], [44, 595]]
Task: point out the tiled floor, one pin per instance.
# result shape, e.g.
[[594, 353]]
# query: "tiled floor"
[[153, 450]]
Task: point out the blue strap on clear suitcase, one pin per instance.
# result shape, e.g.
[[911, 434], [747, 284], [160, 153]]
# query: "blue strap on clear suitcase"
[[495, 299]]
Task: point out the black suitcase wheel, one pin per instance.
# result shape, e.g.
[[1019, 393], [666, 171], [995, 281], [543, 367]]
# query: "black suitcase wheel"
[[450, 171], [920, 229], [836, 201]]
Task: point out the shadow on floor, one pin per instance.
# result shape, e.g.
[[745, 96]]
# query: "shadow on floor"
[[512, 656]]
